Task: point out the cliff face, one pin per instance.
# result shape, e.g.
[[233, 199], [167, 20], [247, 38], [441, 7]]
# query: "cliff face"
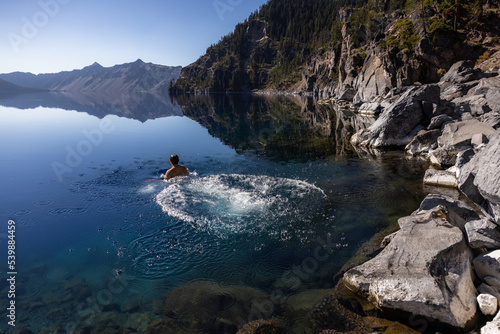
[[395, 50], [352, 54]]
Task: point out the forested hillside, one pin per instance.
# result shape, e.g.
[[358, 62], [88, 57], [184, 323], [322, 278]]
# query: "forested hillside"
[[311, 45]]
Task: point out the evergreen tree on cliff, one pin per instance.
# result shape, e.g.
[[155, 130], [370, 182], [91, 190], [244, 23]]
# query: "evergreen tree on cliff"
[[305, 45]]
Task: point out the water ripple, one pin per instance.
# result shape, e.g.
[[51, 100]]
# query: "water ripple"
[[224, 205]]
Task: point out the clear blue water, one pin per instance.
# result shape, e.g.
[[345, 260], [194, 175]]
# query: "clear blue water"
[[87, 217]]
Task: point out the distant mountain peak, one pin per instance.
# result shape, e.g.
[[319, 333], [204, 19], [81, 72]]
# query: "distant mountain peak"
[[128, 77]]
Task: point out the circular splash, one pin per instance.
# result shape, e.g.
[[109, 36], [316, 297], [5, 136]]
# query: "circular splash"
[[232, 204]]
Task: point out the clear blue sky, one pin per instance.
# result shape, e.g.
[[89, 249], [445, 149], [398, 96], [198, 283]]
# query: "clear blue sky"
[[44, 36]]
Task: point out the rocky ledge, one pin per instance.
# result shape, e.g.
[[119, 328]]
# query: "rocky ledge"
[[444, 263]]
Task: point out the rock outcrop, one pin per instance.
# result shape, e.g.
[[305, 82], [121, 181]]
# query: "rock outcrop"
[[398, 124], [425, 270], [480, 178]]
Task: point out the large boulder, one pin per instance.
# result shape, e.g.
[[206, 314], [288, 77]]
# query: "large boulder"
[[483, 234], [489, 89], [398, 124], [425, 270], [459, 134], [487, 266], [480, 177], [440, 178], [204, 306], [460, 72], [423, 142]]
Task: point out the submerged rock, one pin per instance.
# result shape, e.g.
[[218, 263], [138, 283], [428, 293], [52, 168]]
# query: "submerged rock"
[[261, 327], [425, 270], [209, 307]]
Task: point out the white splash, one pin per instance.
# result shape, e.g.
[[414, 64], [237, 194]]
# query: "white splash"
[[226, 204]]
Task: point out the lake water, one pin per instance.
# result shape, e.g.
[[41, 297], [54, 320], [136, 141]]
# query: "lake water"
[[269, 206]]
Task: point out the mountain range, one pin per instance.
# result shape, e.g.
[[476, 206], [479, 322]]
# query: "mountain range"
[[137, 76]]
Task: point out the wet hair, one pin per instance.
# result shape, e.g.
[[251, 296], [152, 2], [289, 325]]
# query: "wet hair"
[[174, 159]]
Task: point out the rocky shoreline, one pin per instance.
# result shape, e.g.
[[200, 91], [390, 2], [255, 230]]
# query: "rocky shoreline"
[[443, 265]]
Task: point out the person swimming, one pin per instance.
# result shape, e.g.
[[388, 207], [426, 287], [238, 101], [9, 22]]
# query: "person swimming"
[[176, 170]]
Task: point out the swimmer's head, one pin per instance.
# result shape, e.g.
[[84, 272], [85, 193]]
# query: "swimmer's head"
[[174, 159]]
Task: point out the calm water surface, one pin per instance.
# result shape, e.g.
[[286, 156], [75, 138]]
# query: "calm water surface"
[[97, 243]]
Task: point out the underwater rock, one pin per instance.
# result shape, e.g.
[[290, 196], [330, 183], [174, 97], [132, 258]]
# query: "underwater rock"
[[330, 313], [261, 327], [22, 331], [106, 329], [208, 306], [138, 321]]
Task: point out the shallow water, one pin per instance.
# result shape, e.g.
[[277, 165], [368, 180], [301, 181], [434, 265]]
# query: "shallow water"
[[97, 243]]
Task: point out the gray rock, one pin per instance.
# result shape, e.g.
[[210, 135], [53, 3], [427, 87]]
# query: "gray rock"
[[480, 178], [444, 156], [483, 234], [459, 212], [398, 124], [373, 80], [441, 178], [492, 281], [425, 270], [459, 134], [489, 89], [438, 121], [460, 72], [491, 118], [492, 327], [485, 288], [369, 109], [487, 264], [387, 239], [474, 105], [463, 157], [488, 304], [479, 139], [423, 142]]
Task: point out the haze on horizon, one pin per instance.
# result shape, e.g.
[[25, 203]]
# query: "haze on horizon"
[[47, 36]]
